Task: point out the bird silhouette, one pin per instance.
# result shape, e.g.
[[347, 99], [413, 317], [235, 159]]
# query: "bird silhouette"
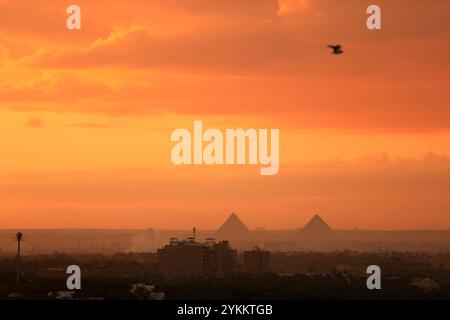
[[337, 49]]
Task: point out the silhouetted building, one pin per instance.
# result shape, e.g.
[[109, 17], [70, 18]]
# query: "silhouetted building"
[[225, 258], [189, 258], [256, 261]]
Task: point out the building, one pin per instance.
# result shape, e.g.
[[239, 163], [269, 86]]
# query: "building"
[[189, 258], [256, 261]]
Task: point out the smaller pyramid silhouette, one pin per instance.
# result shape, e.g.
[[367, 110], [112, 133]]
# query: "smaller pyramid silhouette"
[[233, 228]]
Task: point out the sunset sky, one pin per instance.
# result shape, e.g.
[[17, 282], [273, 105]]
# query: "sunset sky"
[[86, 115]]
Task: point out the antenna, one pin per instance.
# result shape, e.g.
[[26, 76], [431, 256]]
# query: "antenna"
[[19, 238]]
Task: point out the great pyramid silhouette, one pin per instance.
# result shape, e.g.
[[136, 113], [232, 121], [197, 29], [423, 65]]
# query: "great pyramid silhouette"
[[317, 224], [233, 228], [317, 228]]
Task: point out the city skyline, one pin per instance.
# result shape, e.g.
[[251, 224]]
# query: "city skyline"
[[316, 234]]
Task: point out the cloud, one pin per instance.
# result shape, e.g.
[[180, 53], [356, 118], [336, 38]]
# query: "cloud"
[[226, 51], [264, 49], [372, 105], [373, 191], [43, 22], [292, 43], [96, 125], [52, 87], [218, 57], [248, 9], [291, 6], [35, 123]]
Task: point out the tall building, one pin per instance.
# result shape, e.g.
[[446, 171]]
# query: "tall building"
[[256, 261], [225, 257], [189, 258]]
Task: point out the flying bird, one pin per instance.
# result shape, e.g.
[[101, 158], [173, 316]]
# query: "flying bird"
[[337, 49]]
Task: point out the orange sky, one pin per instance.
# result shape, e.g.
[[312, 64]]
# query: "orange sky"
[[86, 116]]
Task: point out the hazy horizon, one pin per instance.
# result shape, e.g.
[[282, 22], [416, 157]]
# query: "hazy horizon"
[[212, 229]]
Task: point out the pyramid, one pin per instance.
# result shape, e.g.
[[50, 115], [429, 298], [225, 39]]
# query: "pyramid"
[[233, 228], [317, 228], [317, 224]]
